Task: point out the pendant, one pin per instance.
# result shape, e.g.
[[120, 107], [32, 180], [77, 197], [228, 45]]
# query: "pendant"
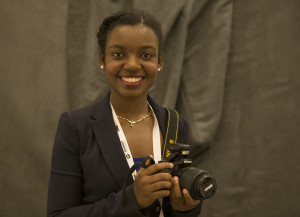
[[132, 123]]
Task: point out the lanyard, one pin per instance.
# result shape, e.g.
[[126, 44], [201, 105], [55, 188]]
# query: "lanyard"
[[125, 146], [126, 150]]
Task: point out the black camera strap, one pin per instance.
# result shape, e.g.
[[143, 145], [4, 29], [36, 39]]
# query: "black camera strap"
[[171, 133]]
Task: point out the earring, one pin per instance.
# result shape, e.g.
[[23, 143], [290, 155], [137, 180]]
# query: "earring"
[[102, 67], [159, 69]]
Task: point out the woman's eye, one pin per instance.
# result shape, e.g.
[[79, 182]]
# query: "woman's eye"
[[147, 55], [117, 54]]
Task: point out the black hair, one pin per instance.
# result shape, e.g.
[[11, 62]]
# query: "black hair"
[[129, 17]]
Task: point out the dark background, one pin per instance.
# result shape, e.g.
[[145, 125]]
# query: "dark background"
[[232, 68]]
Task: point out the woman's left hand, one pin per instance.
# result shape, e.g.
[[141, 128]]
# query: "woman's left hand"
[[181, 200]]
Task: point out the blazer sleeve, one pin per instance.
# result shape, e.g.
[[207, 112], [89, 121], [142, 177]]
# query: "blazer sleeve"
[[65, 187]]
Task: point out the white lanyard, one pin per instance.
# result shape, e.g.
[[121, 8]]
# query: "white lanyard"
[[124, 143], [126, 150]]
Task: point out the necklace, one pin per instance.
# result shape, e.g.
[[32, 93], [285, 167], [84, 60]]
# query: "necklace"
[[132, 123]]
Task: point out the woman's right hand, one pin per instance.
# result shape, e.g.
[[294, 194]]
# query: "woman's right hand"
[[150, 185]]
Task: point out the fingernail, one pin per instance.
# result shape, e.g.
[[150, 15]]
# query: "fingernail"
[[171, 165]]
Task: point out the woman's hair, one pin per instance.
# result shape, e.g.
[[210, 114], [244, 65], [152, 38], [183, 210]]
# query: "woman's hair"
[[129, 17]]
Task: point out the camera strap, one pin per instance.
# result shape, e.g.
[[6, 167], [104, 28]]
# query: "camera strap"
[[171, 132]]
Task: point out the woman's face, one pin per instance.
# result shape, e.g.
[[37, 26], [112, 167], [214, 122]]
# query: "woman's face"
[[131, 60]]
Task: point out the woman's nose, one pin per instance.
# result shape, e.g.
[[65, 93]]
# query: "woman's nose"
[[132, 64]]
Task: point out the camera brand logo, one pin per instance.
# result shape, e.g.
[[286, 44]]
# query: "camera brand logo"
[[208, 187], [168, 153]]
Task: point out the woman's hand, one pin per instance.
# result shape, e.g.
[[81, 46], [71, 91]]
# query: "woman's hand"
[[181, 200], [150, 185]]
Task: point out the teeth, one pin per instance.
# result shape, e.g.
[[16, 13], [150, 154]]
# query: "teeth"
[[131, 80]]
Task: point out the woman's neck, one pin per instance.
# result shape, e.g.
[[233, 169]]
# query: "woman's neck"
[[132, 108]]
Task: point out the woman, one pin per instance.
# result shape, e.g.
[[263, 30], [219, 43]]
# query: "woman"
[[95, 145]]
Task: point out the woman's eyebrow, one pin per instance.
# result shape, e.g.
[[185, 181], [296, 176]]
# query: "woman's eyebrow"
[[141, 48], [117, 46], [148, 47]]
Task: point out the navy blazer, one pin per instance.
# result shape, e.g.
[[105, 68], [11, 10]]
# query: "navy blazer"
[[88, 166]]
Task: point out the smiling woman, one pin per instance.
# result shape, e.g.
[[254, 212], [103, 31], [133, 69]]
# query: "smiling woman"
[[96, 145], [131, 61]]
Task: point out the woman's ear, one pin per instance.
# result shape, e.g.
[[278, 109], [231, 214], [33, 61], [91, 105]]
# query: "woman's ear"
[[101, 61]]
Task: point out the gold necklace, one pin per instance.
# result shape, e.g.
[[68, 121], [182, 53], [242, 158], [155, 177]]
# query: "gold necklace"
[[135, 122]]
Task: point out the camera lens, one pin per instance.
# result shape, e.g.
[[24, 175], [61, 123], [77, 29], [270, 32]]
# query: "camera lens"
[[198, 182]]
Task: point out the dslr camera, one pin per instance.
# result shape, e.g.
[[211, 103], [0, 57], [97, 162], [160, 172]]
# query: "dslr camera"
[[198, 182]]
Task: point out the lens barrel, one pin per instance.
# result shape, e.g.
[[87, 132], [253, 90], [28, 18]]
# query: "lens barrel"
[[198, 182]]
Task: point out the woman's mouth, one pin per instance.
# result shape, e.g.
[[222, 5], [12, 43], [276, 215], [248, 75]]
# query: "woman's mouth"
[[131, 81]]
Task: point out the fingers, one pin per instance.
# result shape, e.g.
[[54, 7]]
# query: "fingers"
[[160, 177], [156, 182], [161, 194], [181, 200], [176, 192], [149, 184], [153, 174], [188, 198], [161, 185], [148, 188], [157, 167]]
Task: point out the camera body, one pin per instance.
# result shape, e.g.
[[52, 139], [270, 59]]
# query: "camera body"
[[198, 182]]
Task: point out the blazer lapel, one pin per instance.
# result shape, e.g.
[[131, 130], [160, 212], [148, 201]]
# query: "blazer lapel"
[[108, 140]]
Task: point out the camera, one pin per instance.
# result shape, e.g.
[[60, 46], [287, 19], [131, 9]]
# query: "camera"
[[198, 182]]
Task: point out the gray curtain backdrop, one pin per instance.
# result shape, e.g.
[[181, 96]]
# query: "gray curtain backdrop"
[[231, 67]]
